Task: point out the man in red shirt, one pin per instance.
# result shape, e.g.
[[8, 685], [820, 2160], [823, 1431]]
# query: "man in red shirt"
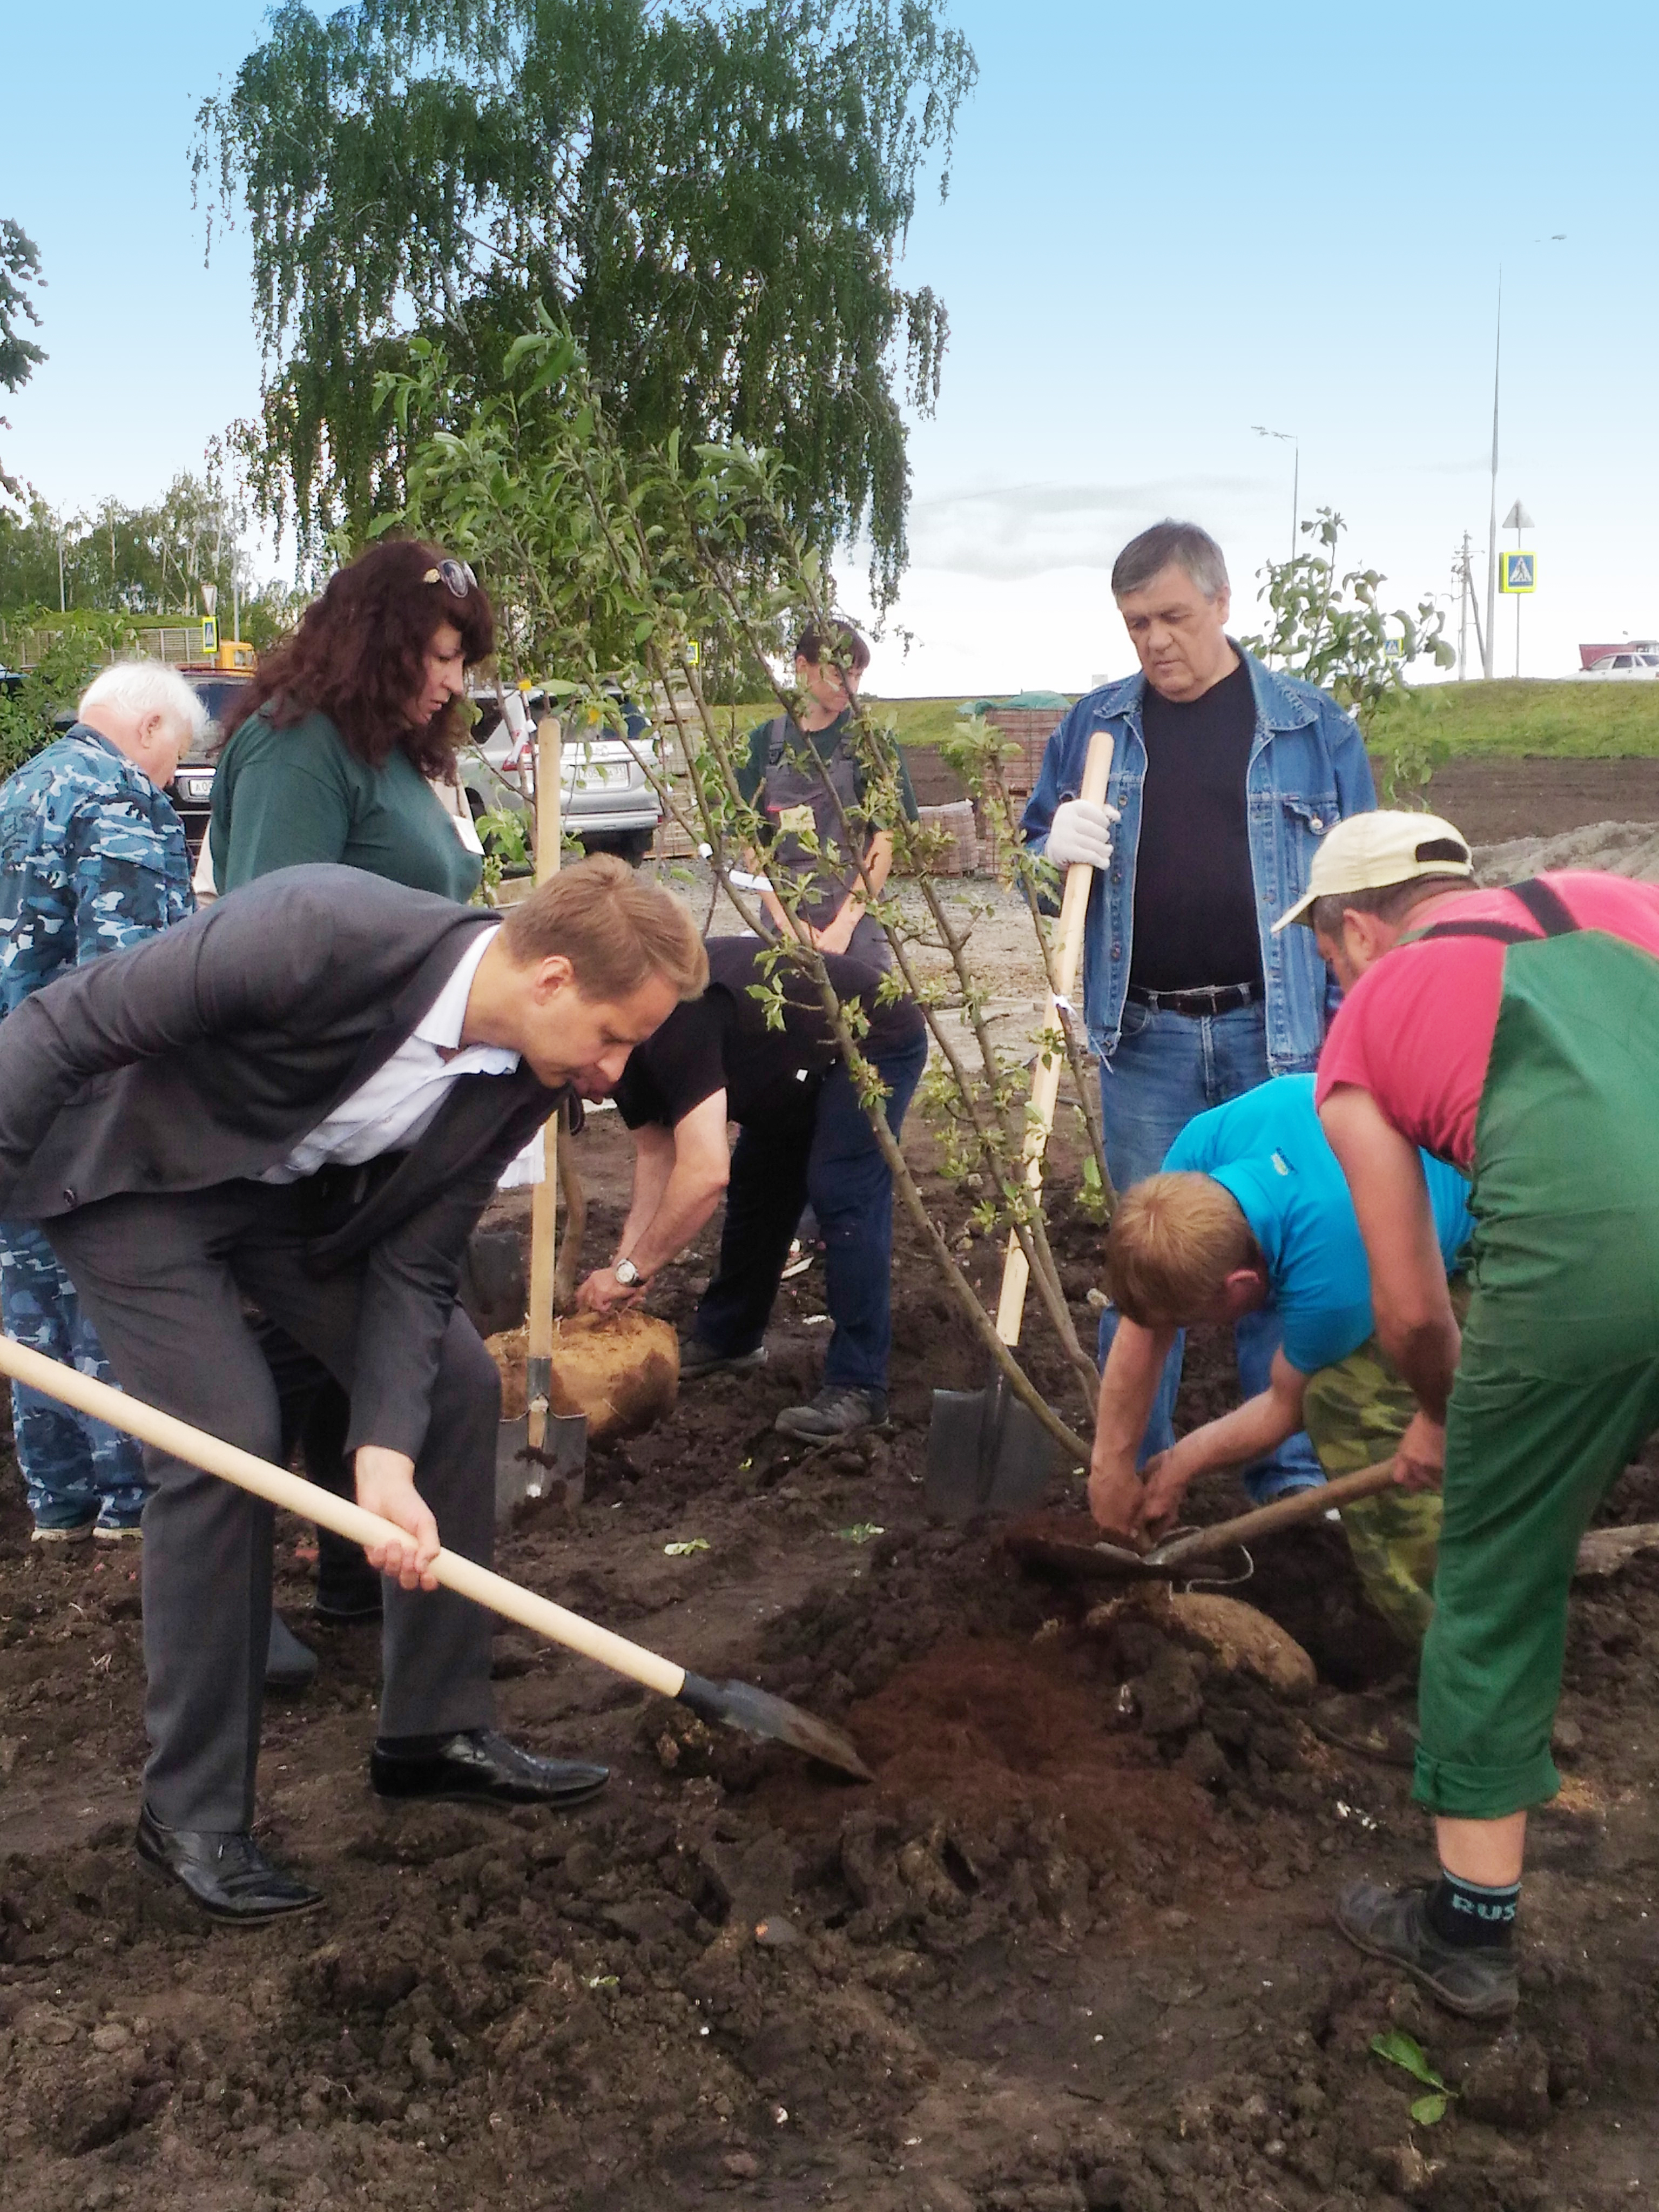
[[1515, 1034]]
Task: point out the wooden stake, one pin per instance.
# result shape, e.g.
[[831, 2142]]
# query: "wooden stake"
[[538, 1362]]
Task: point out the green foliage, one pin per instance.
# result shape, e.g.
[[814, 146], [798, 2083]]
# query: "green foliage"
[[713, 195], [1403, 2050], [72, 654], [19, 264], [1334, 631], [607, 563], [140, 560], [1572, 718]]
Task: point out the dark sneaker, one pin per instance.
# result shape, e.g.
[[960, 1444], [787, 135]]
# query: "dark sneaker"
[[698, 1359], [1393, 1924], [836, 1412]]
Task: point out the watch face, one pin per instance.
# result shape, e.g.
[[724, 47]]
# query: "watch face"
[[626, 1274]]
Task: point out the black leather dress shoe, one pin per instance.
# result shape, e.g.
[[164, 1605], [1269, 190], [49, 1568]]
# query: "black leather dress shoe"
[[289, 1664], [479, 1766], [224, 1870]]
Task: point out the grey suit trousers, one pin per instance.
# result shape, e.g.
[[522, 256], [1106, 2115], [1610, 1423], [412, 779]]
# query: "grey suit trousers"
[[164, 1279]]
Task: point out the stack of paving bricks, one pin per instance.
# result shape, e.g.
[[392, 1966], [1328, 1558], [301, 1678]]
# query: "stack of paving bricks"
[[957, 853], [1026, 732]]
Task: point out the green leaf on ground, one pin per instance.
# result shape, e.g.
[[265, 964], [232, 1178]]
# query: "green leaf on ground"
[[683, 1551], [1402, 2051], [861, 1532], [1425, 2111]]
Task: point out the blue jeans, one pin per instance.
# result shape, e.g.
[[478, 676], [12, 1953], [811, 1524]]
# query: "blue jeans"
[[76, 1470], [1168, 1067], [833, 1159]]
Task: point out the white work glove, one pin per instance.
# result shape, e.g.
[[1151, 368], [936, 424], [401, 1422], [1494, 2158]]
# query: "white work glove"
[[1081, 831]]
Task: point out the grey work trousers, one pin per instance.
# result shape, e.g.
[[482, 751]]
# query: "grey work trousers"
[[164, 1279]]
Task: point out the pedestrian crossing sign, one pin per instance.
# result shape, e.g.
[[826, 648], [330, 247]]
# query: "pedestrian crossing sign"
[[209, 638], [1517, 572]]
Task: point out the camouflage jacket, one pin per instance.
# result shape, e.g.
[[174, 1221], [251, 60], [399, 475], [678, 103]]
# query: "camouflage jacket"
[[92, 860]]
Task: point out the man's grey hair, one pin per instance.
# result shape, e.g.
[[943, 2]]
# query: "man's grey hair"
[[1182, 543], [148, 687]]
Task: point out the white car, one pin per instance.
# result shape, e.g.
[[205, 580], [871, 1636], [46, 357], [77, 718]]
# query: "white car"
[[1633, 668]]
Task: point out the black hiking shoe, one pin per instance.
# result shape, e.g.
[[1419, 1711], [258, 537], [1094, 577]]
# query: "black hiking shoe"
[[836, 1411], [698, 1359], [1479, 1983]]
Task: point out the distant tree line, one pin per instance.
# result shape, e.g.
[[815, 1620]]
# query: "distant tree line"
[[149, 560]]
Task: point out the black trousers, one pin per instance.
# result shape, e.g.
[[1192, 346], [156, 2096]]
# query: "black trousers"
[[164, 1279]]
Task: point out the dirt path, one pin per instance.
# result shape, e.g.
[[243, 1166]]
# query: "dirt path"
[[1071, 1953]]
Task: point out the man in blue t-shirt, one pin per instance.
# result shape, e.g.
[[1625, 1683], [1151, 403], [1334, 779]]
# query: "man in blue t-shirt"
[[1252, 1212]]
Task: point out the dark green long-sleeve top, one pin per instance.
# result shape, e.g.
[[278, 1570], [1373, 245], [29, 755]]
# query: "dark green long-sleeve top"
[[283, 796]]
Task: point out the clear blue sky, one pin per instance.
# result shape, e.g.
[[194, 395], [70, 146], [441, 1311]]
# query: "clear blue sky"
[[1164, 228]]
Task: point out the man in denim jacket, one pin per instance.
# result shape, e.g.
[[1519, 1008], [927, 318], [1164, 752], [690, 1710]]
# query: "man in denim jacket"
[[1225, 777]]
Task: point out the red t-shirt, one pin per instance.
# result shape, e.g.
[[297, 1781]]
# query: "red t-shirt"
[[1417, 1029]]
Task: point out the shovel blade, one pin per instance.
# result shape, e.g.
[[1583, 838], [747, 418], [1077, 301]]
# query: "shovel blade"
[[558, 1469], [757, 1712], [987, 1453]]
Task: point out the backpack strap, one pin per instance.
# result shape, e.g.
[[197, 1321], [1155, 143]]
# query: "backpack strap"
[[1546, 906]]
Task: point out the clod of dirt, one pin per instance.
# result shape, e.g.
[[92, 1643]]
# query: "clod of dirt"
[[621, 1371], [1508, 2085], [1239, 1636], [1235, 1635]]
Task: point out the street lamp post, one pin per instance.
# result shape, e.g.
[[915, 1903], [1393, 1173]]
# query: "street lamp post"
[[1288, 438]]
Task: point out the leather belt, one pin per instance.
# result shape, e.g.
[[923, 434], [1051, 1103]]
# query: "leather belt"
[[1203, 998]]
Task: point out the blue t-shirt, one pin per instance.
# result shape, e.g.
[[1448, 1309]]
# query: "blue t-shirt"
[[1268, 1149]]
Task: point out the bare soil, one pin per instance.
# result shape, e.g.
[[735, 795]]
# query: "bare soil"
[[1070, 1952]]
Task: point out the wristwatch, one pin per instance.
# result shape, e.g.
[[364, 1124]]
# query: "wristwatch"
[[627, 1273]]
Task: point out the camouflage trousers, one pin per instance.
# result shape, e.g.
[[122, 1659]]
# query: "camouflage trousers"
[[1356, 1414], [76, 1470]]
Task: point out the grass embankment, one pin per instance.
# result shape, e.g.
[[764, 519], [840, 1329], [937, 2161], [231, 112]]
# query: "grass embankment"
[[1564, 719]]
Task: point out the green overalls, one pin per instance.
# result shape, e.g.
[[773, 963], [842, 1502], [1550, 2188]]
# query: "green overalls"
[[1558, 1386]]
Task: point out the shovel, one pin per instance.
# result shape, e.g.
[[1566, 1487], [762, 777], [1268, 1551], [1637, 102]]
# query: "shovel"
[[543, 1454], [986, 1451], [739, 1704], [1170, 1560]]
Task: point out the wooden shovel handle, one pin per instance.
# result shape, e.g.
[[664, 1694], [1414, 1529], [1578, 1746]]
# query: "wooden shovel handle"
[[1283, 1513], [1045, 1077], [291, 1491]]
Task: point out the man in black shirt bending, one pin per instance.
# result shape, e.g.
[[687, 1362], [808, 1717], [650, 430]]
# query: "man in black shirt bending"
[[802, 1133]]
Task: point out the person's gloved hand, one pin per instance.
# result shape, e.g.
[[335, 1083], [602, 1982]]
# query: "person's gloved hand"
[[1082, 831]]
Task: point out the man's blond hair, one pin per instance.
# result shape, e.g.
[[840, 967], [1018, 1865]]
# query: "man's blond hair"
[[1174, 1241], [618, 930]]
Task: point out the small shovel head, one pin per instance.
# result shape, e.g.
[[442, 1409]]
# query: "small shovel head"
[[987, 1453], [557, 1469], [757, 1712]]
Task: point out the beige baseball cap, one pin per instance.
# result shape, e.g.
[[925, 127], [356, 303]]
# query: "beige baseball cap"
[[1372, 852]]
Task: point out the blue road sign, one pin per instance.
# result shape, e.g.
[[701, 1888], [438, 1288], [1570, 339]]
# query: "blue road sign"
[[1517, 572]]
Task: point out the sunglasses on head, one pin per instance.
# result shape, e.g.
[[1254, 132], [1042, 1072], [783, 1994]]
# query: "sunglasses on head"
[[455, 576]]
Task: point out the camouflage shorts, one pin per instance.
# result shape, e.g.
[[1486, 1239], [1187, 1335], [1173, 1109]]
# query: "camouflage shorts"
[[1356, 1412]]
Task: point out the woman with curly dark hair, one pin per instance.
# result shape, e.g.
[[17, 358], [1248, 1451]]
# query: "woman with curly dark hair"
[[333, 755], [335, 743]]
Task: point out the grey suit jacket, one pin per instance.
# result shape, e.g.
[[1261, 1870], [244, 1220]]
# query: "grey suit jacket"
[[205, 1055]]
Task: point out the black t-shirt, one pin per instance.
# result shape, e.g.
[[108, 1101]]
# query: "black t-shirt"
[[1194, 915], [721, 1042]]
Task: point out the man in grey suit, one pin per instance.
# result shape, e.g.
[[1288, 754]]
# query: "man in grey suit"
[[304, 1098]]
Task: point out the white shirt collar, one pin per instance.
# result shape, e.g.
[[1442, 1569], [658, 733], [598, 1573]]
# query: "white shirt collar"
[[442, 1022]]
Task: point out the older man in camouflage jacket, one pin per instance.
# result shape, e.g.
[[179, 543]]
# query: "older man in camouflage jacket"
[[92, 860]]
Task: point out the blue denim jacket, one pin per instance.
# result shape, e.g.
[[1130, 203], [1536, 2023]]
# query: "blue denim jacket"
[[1307, 770]]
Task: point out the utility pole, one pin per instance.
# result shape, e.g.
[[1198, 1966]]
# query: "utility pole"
[[1462, 569], [1492, 524], [1288, 438]]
